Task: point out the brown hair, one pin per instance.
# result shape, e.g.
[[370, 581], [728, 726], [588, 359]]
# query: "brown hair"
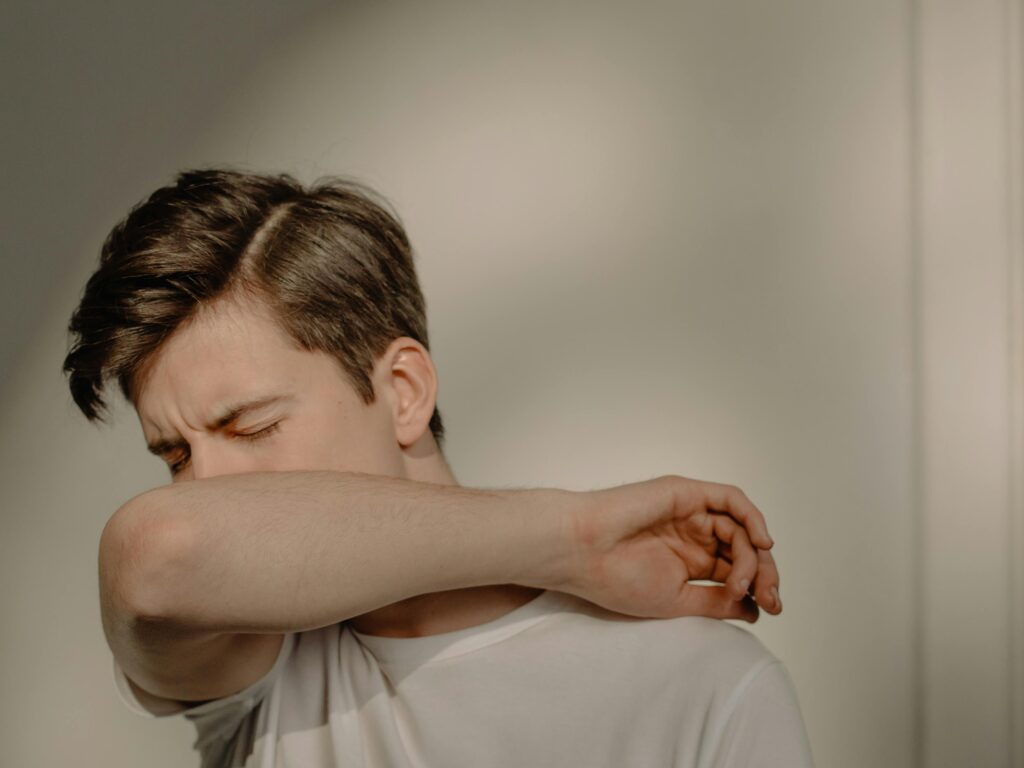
[[331, 260]]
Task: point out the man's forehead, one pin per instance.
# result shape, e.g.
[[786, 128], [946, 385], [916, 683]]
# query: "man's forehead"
[[228, 352]]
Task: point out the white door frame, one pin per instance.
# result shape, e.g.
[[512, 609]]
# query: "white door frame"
[[968, 242]]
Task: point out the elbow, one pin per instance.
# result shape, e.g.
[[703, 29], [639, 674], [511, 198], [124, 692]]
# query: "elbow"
[[140, 544]]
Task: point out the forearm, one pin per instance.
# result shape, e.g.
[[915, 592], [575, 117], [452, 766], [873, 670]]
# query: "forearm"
[[292, 551]]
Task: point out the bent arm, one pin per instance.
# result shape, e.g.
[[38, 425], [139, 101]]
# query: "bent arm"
[[275, 552]]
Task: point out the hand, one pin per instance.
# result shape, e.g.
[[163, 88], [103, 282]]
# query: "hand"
[[640, 545]]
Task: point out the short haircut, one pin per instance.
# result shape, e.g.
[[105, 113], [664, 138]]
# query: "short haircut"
[[331, 261]]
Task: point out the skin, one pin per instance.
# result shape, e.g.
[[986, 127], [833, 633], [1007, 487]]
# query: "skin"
[[233, 351]]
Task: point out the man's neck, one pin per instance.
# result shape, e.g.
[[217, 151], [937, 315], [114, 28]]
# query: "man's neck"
[[451, 610], [438, 612]]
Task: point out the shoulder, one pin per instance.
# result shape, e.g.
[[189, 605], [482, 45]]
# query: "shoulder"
[[713, 652], [728, 697], [696, 634], [717, 656], [725, 641]]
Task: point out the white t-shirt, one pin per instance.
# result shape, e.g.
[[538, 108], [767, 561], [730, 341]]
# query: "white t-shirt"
[[557, 682]]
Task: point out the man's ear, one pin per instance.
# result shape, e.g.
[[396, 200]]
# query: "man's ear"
[[412, 382]]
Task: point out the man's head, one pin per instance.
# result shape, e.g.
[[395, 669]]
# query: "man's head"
[[227, 288]]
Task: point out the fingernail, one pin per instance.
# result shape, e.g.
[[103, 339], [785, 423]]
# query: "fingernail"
[[744, 586], [775, 596]]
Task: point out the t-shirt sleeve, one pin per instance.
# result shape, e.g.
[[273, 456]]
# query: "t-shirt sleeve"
[[765, 727], [154, 707]]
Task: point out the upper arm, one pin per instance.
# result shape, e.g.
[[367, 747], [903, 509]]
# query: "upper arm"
[[191, 668], [163, 659]]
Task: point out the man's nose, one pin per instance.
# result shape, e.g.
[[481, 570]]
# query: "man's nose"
[[210, 459]]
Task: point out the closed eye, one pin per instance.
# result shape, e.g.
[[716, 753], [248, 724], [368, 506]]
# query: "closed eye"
[[262, 433], [252, 437]]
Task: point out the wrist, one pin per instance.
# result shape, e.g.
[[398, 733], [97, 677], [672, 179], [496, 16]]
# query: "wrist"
[[553, 561]]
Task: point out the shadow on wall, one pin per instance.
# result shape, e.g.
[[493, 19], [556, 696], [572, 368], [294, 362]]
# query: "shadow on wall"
[[105, 102], [648, 240]]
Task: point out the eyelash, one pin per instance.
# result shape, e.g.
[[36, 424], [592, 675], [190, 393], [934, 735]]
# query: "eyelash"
[[262, 433], [252, 437]]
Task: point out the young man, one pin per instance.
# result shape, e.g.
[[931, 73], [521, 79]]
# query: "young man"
[[314, 588]]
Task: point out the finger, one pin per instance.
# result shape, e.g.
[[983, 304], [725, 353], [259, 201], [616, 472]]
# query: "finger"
[[717, 603], [731, 500], [744, 558], [721, 570], [766, 583], [744, 564]]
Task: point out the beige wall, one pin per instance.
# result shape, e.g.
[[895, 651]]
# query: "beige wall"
[[775, 244]]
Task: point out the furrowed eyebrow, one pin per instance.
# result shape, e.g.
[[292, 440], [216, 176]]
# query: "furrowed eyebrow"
[[162, 447], [239, 409]]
